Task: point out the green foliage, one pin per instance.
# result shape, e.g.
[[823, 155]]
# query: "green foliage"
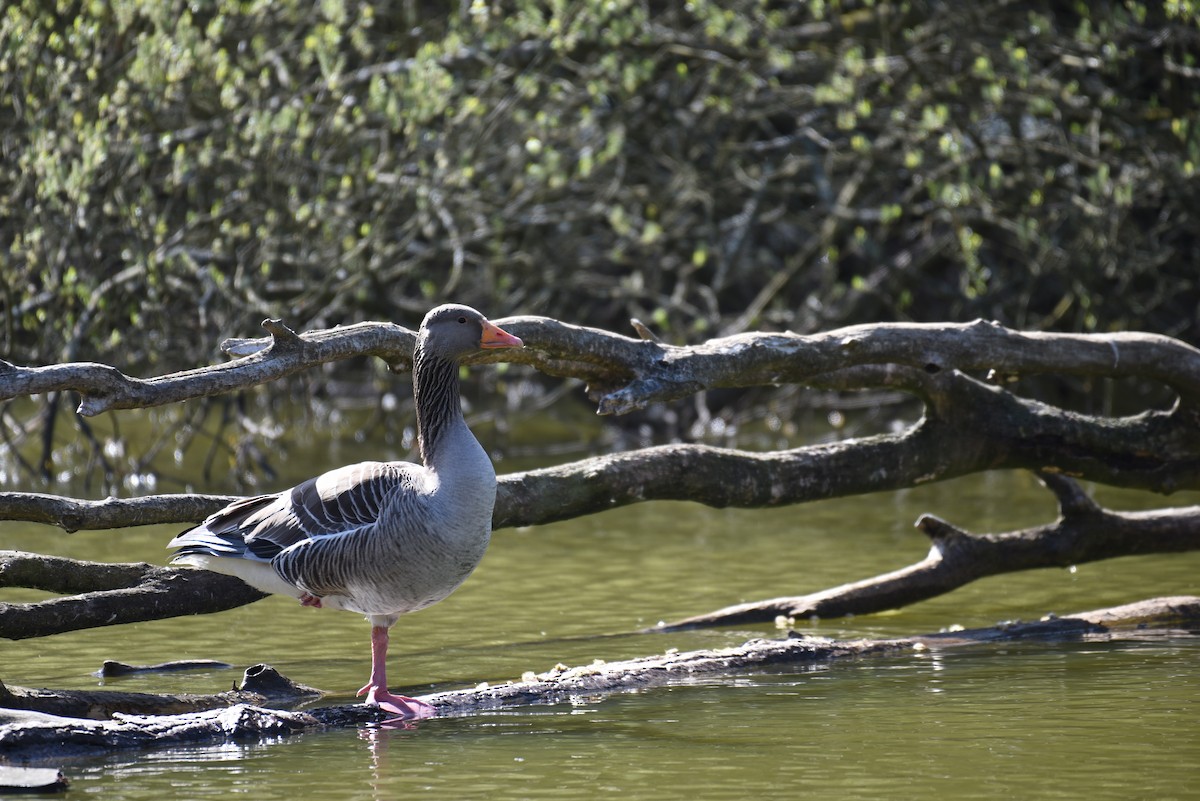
[[174, 171]]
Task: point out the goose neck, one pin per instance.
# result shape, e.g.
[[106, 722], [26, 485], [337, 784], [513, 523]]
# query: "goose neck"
[[436, 393]]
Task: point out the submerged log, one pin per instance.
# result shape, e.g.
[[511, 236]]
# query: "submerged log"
[[37, 735], [112, 667], [262, 685]]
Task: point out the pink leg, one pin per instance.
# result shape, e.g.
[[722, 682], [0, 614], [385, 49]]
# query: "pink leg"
[[310, 600], [376, 689]]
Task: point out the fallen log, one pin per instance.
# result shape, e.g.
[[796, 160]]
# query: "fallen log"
[[262, 685], [111, 667], [33, 735]]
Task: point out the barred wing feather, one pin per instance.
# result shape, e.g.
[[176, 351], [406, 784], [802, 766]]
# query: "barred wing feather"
[[336, 502]]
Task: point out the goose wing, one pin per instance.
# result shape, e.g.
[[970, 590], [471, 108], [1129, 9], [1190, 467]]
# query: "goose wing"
[[333, 503]]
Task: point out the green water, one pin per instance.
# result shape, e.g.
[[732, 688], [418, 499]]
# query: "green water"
[[1092, 720]]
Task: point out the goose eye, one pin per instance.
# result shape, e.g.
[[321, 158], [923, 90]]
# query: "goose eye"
[[462, 319]]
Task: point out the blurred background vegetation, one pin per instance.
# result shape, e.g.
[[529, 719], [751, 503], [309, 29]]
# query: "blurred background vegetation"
[[173, 172]]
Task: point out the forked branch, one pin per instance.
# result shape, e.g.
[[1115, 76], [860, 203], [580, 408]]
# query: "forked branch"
[[969, 425], [101, 594], [627, 373], [1083, 532]]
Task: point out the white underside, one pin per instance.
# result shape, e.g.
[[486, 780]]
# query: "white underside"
[[259, 575], [262, 576]]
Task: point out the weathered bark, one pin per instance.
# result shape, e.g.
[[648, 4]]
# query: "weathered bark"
[[262, 685], [973, 427], [1084, 532], [969, 425], [554, 347], [36, 736], [628, 373], [74, 514], [108, 594]]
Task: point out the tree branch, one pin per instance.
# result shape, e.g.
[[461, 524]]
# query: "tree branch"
[[1084, 532], [629, 373], [108, 594], [968, 426], [114, 594], [74, 514]]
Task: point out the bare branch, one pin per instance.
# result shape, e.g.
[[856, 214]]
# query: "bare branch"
[[628, 374], [74, 514], [968, 426], [763, 359], [113, 594], [1084, 532], [108, 594], [103, 388]]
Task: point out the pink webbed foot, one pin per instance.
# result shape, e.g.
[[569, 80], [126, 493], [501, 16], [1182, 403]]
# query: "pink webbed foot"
[[401, 705], [310, 600]]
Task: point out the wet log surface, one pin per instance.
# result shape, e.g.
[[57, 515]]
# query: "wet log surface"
[[261, 685], [33, 735]]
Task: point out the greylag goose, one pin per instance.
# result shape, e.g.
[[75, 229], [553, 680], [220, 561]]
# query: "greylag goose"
[[379, 538]]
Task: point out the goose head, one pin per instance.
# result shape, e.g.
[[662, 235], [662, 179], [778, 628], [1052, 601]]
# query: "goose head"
[[453, 332]]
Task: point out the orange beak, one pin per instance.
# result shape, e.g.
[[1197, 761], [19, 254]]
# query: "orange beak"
[[496, 337]]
